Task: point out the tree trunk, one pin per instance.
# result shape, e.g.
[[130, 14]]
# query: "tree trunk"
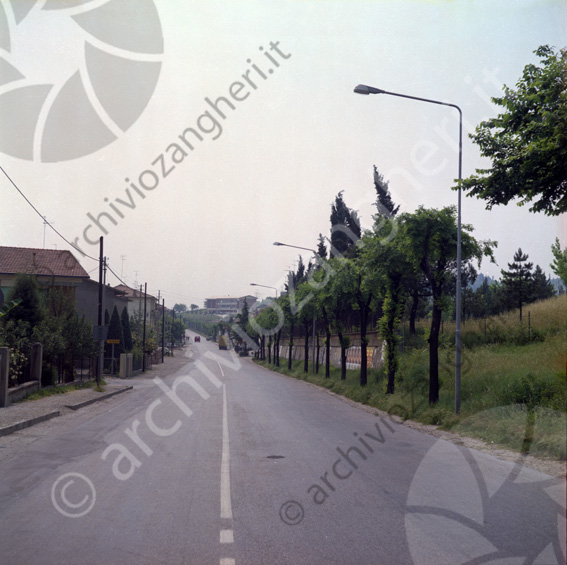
[[343, 357], [328, 354], [363, 345], [434, 354], [413, 311], [289, 364], [317, 358], [306, 349], [391, 356]]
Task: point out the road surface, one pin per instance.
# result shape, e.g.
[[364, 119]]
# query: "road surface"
[[225, 462]]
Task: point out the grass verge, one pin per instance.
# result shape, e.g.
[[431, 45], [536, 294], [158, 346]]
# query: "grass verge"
[[53, 390], [514, 396]]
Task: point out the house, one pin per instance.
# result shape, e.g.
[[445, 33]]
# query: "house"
[[135, 298], [51, 267], [86, 300]]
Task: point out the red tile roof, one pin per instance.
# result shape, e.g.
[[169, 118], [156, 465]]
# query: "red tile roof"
[[50, 262], [132, 292]]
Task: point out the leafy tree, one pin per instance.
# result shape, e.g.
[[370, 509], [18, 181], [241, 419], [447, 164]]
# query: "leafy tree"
[[126, 330], [518, 280], [345, 227], [337, 296], [559, 265], [362, 294], [304, 295], [527, 142], [389, 272], [180, 308], [194, 307], [269, 321], [431, 245]]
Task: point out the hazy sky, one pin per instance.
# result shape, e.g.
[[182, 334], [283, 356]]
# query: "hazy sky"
[[293, 134]]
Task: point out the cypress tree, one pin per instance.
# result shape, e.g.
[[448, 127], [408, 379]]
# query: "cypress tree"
[[126, 330]]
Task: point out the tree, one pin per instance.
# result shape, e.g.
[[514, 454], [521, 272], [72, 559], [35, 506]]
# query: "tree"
[[31, 308], [345, 227], [527, 143], [337, 296], [126, 330], [518, 280], [180, 308], [384, 202], [559, 265], [115, 332], [431, 245], [194, 307], [389, 272], [542, 289], [321, 247]]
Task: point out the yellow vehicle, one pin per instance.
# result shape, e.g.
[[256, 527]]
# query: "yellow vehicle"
[[223, 342]]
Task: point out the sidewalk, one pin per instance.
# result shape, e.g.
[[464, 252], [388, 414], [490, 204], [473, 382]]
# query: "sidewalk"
[[28, 413]]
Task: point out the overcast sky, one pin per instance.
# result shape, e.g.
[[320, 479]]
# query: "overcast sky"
[[293, 134]]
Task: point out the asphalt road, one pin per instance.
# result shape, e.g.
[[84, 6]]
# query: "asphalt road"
[[225, 462]]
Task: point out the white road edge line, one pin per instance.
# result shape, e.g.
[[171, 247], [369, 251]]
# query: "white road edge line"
[[226, 506]]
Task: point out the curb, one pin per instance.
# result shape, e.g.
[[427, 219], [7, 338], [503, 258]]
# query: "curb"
[[27, 423], [93, 400], [38, 419]]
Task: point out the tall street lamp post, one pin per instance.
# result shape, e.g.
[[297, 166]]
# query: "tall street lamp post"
[[364, 89], [266, 286], [279, 244]]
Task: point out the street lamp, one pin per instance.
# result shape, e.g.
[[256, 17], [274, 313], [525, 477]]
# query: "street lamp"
[[296, 247], [265, 286], [279, 244], [365, 89]]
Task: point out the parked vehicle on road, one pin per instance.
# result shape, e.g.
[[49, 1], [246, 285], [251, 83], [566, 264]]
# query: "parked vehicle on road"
[[197, 338], [223, 342]]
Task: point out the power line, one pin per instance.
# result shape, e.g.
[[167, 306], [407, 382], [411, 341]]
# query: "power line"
[[43, 217]]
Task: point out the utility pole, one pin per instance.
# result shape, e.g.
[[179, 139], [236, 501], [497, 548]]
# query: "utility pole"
[[140, 309], [100, 298], [172, 336], [163, 330], [144, 334], [45, 223]]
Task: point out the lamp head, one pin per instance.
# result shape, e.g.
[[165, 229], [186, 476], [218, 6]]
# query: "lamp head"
[[277, 243], [364, 89]]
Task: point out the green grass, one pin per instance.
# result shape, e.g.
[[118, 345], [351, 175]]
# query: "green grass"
[[54, 390], [512, 395]]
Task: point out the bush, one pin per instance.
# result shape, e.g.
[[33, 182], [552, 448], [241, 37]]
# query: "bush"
[[532, 390]]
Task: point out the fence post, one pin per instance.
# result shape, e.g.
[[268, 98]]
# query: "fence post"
[[4, 376], [35, 362]]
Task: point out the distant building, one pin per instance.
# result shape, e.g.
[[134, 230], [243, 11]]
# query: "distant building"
[[228, 305]]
